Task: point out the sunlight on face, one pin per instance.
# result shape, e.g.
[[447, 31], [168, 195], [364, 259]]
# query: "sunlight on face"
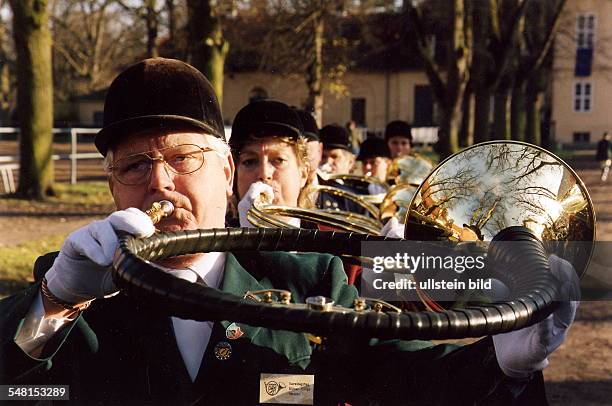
[[199, 198], [275, 163], [339, 160], [399, 146], [376, 167]]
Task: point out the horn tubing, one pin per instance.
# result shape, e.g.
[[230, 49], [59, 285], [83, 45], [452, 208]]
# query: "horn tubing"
[[534, 284]]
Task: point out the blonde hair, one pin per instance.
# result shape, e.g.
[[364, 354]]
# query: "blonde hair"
[[300, 146]]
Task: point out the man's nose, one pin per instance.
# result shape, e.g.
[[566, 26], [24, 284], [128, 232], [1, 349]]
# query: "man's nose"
[[161, 177]]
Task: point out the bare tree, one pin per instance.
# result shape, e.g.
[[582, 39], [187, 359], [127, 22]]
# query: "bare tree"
[[306, 39], [7, 95], [534, 66], [91, 40], [207, 47], [34, 97], [448, 78], [149, 11]]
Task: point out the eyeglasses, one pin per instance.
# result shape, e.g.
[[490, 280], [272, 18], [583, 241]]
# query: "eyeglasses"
[[181, 159]]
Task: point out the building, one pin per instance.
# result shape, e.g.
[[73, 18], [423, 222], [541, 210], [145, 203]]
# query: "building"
[[582, 81], [372, 99]]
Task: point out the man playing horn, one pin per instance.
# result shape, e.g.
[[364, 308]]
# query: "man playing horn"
[[163, 139]]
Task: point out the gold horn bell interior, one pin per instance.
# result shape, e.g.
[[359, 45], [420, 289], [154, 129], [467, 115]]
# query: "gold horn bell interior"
[[473, 195]]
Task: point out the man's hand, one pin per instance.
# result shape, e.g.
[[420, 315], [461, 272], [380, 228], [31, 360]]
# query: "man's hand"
[[81, 271], [255, 191], [522, 352]]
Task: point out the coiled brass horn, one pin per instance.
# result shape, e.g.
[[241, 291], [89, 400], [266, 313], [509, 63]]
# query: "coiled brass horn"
[[497, 191]]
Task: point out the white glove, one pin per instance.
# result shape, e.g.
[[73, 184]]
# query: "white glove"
[[522, 352], [255, 191], [81, 271], [393, 229]]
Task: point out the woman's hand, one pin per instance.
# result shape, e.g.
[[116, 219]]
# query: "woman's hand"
[[255, 191]]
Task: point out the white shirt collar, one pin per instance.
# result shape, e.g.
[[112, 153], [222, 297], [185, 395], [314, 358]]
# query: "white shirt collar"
[[209, 267]]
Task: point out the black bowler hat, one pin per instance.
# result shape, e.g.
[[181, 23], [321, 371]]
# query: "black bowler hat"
[[335, 136], [159, 93], [311, 131], [372, 148], [398, 128], [265, 118]]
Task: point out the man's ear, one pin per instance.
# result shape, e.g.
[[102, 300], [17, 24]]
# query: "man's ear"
[[229, 170], [352, 160]]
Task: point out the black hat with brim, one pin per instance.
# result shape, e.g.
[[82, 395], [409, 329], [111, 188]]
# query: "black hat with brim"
[[311, 130], [159, 94], [334, 136], [398, 128], [262, 119], [372, 148]]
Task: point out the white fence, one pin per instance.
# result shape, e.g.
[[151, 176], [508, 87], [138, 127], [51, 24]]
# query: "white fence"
[[10, 163]]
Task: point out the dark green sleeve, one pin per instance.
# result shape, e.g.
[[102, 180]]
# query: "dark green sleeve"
[[15, 364]]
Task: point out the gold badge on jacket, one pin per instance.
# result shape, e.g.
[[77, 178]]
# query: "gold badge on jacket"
[[223, 350], [233, 332]]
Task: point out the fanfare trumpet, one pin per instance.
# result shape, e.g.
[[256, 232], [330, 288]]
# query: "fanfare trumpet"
[[541, 181], [159, 210]]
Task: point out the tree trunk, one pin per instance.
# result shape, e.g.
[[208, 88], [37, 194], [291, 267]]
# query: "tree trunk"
[[170, 9], [208, 48], [517, 113], [532, 113], [34, 97], [482, 113], [152, 23], [448, 133], [500, 114], [466, 134], [481, 68], [314, 71]]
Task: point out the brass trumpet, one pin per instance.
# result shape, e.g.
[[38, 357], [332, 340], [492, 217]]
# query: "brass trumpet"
[[159, 210]]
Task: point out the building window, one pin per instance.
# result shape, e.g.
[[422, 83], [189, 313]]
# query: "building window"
[[585, 30], [582, 137], [583, 96], [358, 111]]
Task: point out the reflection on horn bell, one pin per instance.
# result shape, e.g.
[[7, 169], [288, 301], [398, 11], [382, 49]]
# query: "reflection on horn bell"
[[485, 188]]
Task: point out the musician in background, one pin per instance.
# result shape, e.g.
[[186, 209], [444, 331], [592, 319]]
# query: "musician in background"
[[375, 160], [337, 155], [398, 135], [271, 157], [163, 139]]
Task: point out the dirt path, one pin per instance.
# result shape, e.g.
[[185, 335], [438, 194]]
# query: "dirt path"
[[580, 371]]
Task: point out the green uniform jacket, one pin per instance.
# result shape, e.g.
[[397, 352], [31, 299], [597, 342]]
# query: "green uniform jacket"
[[122, 352]]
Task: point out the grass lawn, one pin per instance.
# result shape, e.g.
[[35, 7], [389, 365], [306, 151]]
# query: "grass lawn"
[[16, 260], [67, 195]]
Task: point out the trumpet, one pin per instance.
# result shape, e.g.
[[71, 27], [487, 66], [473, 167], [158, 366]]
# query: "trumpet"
[[159, 210]]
